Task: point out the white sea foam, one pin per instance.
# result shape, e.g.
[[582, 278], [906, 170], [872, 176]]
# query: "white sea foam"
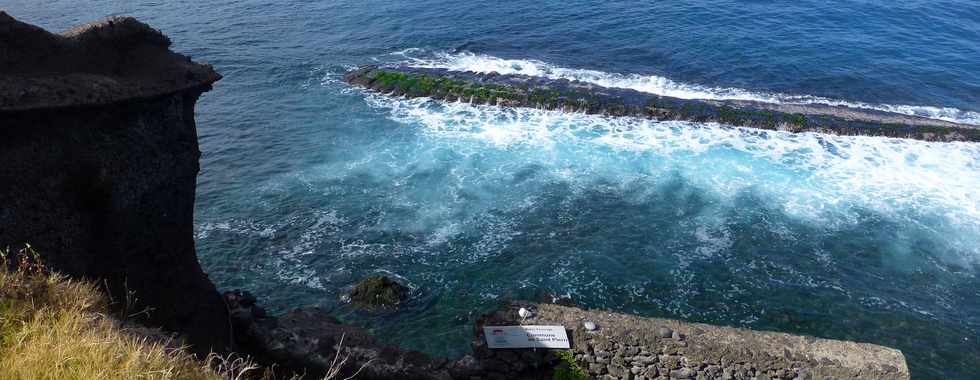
[[827, 180], [659, 85]]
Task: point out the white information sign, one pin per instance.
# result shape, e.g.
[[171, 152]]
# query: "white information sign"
[[526, 336]]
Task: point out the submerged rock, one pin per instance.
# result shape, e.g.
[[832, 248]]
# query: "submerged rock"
[[378, 291]]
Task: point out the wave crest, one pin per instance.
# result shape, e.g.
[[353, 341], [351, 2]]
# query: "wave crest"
[[466, 61]]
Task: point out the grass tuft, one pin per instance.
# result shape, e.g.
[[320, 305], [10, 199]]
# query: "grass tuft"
[[568, 368], [57, 328]]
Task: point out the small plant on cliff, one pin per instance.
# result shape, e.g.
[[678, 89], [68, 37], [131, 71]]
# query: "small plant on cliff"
[[568, 369]]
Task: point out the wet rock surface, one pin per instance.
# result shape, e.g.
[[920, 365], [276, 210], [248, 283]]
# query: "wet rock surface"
[[573, 96], [378, 292]]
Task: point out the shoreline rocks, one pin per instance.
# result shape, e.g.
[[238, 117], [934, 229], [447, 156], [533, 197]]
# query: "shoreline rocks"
[[620, 346], [573, 96], [307, 340]]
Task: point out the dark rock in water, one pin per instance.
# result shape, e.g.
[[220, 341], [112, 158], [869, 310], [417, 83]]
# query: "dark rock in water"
[[573, 96], [99, 166], [378, 291]]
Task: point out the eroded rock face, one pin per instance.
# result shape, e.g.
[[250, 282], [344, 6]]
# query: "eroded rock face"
[[308, 340], [100, 160], [118, 59]]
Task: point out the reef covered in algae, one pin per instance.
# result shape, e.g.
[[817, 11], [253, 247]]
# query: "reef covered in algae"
[[573, 96]]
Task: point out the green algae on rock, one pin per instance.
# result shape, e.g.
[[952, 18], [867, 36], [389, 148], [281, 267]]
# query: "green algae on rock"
[[574, 96], [378, 291]]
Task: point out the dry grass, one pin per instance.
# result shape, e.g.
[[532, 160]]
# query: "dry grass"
[[55, 328]]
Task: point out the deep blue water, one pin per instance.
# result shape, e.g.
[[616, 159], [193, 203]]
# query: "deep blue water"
[[308, 185]]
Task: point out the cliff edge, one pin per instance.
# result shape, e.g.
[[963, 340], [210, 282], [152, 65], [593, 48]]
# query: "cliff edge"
[[115, 60], [100, 161]]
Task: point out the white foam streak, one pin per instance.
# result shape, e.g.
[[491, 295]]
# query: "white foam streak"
[[662, 86], [824, 179]]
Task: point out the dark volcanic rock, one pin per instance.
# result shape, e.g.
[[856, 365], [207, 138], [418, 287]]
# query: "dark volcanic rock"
[[308, 340], [118, 59], [100, 161], [378, 291]]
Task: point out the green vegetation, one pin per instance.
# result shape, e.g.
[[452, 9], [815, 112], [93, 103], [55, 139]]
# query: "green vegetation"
[[568, 369], [797, 119], [419, 84]]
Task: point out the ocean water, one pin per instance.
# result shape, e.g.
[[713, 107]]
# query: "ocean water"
[[307, 185]]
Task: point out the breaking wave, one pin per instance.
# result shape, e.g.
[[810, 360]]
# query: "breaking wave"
[[654, 84], [822, 179]]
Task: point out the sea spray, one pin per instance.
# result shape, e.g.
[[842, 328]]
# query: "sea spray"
[[482, 63]]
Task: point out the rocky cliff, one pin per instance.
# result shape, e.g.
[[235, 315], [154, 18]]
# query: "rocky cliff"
[[100, 160], [98, 167]]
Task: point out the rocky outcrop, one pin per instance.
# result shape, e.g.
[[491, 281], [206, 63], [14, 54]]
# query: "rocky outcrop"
[[310, 341], [100, 160], [378, 292], [574, 96]]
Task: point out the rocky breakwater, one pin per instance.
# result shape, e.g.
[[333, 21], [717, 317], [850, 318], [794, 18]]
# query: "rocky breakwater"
[[574, 96], [100, 161], [609, 345]]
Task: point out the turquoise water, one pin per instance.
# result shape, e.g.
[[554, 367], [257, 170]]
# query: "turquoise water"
[[308, 185]]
